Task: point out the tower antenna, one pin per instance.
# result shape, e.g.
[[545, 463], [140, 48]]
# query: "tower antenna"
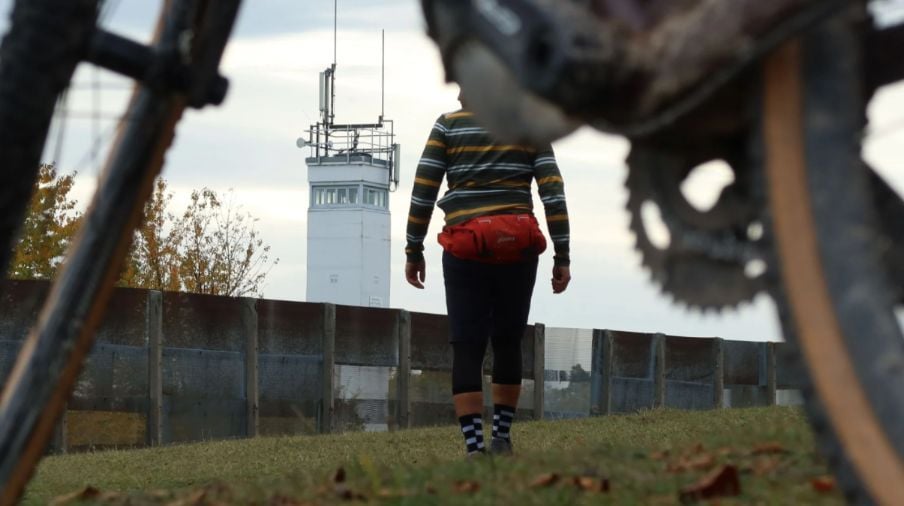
[[333, 73], [382, 73]]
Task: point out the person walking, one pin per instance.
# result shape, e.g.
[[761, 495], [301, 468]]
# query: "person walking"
[[491, 243]]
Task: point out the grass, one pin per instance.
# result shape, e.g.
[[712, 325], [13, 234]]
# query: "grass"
[[647, 458]]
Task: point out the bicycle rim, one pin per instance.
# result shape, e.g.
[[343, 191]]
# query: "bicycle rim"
[[826, 230]]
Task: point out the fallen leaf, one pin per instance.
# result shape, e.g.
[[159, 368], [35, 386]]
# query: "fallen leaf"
[[591, 484], [720, 482], [386, 493], [702, 462], [724, 451], [160, 494], [338, 475], [544, 480], [765, 465], [196, 498], [698, 462], [347, 494], [583, 482], [660, 455], [823, 484], [282, 500], [86, 493], [769, 448], [465, 486]]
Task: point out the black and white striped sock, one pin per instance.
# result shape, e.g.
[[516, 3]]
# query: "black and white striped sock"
[[472, 429], [503, 416]]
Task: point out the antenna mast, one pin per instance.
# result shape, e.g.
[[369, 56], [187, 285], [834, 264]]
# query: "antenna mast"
[[333, 73], [382, 73]]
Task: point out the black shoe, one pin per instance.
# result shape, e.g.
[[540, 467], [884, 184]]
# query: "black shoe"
[[499, 446]]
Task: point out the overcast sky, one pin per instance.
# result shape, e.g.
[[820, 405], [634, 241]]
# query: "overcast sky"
[[249, 145]]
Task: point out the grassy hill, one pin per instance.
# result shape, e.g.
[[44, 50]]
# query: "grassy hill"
[[644, 458]]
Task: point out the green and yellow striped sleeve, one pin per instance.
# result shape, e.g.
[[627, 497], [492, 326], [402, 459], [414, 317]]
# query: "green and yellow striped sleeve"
[[427, 180], [552, 193]]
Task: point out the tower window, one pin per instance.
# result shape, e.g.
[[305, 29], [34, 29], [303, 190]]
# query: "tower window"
[[376, 197], [332, 196]]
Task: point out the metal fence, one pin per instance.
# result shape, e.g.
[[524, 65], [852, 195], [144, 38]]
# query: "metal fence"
[[174, 367]]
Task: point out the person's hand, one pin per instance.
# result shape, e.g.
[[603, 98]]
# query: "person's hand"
[[416, 273], [561, 276]]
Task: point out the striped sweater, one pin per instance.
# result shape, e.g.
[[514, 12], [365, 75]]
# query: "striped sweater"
[[484, 178]]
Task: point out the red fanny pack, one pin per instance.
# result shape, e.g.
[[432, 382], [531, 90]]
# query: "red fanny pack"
[[501, 238]]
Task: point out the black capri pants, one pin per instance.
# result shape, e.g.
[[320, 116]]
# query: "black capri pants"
[[487, 302]]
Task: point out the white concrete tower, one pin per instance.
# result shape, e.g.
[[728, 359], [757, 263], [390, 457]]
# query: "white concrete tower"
[[351, 172]]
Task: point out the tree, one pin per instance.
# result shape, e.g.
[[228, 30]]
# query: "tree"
[[211, 248], [222, 253], [154, 257], [50, 225], [578, 374]]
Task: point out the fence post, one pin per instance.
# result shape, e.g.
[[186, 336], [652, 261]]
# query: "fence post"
[[596, 373], [403, 331], [608, 371], [154, 331], [658, 370], [539, 368], [329, 351], [770, 373], [60, 442], [718, 373], [601, 373], [252, 385]]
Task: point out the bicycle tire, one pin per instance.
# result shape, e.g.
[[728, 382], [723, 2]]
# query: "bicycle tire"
[[52, 356], [38, 56], [836, 303]]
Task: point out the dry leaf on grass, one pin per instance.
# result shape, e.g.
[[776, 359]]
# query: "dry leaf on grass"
[[769, 448], [387, 493], [823, 484], [196, 498], [721, 482], [200, 497], [725, 451], [591, 484], [282, 500], [346, 494], [765, 465], [465, 486], [544, 480], [160, 494], [699, 462], [660, 455], [86, 493]]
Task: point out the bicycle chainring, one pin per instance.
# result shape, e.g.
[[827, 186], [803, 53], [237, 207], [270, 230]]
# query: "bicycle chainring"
[[707, 259]]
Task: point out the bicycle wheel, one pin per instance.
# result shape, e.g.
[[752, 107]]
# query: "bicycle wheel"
[[39, 54], [830, 220], [172, 76]]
